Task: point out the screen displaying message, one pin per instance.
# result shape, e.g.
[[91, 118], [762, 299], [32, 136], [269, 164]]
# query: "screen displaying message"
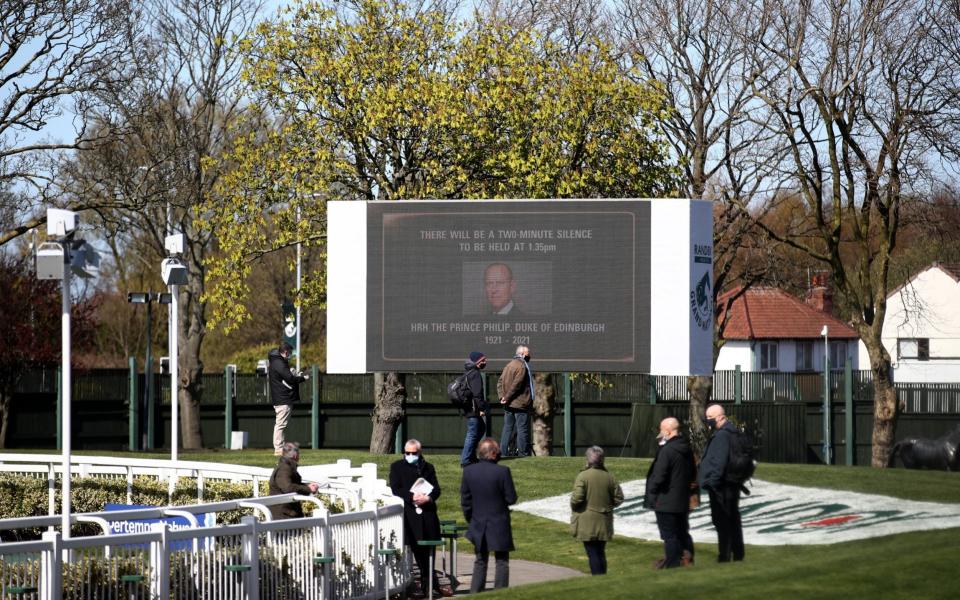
[[569, 279]]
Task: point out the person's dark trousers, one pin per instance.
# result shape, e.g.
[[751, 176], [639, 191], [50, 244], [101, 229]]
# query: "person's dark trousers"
[[421, 555], [475, 430], [671, 532], [725, 514], [509, 428], [523, 433], [686, 540], [501, 574], [597, 556]]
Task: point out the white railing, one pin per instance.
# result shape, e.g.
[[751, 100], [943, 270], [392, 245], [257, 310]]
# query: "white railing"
[[320, 557], [351, 485]]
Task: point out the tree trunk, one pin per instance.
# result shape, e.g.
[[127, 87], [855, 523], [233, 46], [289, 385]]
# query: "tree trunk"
[[699, 389], [389, 397], [192, 328], [543, 410], [886, 409]]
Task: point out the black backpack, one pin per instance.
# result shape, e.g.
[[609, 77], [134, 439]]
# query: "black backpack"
[[741, 462], [458, 392]]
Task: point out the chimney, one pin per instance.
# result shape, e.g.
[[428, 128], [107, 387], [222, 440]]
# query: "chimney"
[[819, 296]]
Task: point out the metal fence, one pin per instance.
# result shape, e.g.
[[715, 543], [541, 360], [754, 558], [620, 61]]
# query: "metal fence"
[[315, 558]]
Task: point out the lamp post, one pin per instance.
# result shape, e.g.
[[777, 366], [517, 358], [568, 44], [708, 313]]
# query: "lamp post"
[[57, 259], [174, 274], [827, 416], [148, 298]]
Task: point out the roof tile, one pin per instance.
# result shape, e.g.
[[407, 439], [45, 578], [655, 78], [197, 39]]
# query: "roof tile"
[[771, 313]]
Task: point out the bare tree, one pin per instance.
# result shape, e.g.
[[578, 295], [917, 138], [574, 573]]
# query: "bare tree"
[[154, 175], [694, 49], [863, 100], [53, 55]]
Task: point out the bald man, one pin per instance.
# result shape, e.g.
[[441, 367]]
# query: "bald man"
[[499, 287], [724, 495], [669, 484]]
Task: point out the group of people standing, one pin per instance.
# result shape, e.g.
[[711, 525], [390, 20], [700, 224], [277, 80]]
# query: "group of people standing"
[[673, 483]]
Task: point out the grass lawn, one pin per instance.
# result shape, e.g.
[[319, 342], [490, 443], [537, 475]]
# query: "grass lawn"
[[914, 565]]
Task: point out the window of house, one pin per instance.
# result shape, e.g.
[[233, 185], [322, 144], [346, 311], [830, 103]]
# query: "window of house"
[[838, 355], [805, 356], [768, 356], [915, 348]]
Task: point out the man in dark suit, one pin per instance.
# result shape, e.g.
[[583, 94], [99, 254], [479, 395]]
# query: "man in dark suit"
[[486, 492], [286, 480], [670, 483], [420, 520]]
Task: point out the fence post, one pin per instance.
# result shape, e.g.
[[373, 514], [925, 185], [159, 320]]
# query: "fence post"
[[133, 413], [567, 416], [228, 405], [251, 577], [737, 386], [315, 407], [160, 563], [827, 410], [851, 414], [51, 573]]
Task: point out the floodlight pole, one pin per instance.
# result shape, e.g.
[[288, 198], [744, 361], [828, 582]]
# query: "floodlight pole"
[[298, 288], [65, 389], [174, 369]]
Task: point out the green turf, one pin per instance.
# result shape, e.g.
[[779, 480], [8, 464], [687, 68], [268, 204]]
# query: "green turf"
[[916, 565]]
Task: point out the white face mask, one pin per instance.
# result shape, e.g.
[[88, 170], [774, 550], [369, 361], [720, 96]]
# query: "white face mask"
[[411, 458]]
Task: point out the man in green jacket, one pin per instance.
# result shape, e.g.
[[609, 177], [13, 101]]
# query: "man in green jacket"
[[595, 494]]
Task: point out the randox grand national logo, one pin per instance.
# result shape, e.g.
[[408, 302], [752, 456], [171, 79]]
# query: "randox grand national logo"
[[701, 302], [775, 514]]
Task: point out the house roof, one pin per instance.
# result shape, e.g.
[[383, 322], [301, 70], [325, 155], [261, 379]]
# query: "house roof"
[[771, 313], [952, 270]]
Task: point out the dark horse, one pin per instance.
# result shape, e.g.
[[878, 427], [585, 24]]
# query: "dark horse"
[[920, 453]]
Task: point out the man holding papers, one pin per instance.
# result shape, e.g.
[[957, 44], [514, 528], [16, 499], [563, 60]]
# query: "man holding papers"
[[415, 480]]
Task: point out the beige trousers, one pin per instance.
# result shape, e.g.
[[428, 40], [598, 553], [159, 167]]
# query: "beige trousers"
[[283, 417]]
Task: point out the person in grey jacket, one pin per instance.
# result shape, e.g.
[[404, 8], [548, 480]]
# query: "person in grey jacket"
[[670, 483], [477, 409], [724, 495], [285, 479]]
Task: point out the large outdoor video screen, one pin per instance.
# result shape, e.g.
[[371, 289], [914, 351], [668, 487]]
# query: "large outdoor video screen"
[[569, 279]]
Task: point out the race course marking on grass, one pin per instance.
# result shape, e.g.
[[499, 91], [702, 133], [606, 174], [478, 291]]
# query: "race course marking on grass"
[[775, 514]]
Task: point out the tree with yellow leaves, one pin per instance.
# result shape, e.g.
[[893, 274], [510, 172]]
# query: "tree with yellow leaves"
[[379, 101]]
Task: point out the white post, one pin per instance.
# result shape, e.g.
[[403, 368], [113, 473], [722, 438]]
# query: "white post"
[[65, 387], [298, 288], [174, 370], [827, 412]]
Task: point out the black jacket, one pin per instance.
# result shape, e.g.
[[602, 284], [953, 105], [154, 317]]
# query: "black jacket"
[[715, 457], [670, 477], [426, 525], [486, 492], [284, 385], [478, 401], [286, 480]]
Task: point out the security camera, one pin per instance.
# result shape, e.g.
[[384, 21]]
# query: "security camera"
[[173, 271], [61, 222]]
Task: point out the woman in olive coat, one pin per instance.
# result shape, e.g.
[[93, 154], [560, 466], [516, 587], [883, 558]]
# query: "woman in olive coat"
[[595, 494]]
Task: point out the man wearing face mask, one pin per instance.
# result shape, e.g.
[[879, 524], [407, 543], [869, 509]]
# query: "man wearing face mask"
[[724, 495], [515, 389], [668, 494], [478, 407], [420, 520]]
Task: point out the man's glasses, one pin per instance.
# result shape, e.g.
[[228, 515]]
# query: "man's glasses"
[[411, 453]]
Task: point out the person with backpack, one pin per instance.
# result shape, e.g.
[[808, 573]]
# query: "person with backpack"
[[724, 493], [474, 406]]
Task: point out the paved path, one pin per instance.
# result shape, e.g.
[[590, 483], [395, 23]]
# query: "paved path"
[[522, 572]]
